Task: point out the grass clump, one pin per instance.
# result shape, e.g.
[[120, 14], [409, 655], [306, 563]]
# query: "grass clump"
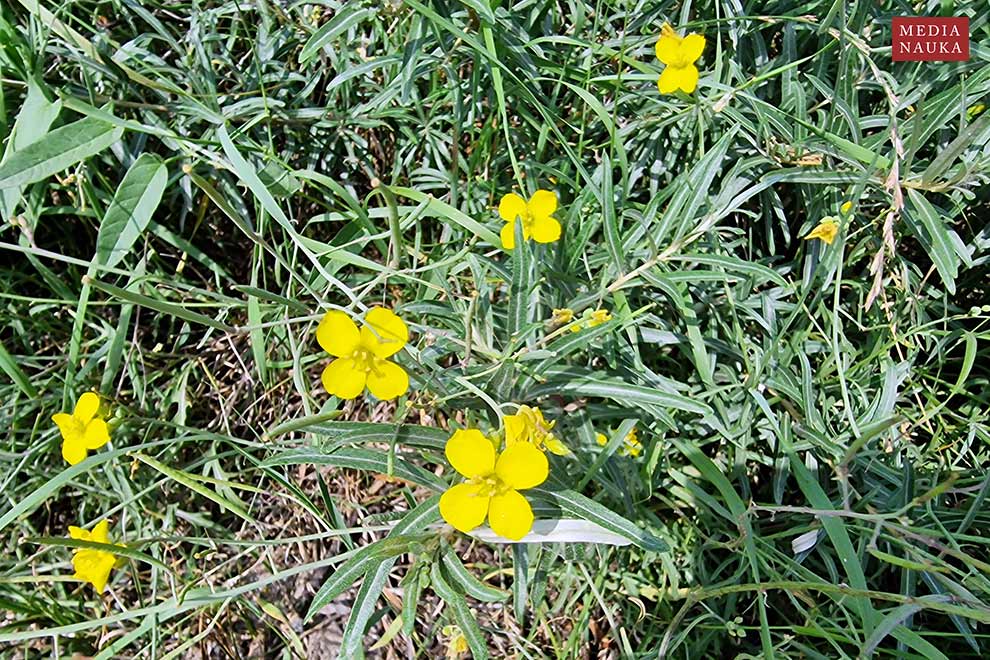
[[743, 321]]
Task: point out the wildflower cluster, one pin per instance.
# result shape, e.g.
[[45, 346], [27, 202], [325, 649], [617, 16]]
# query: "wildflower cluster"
[[590, 318], [494, 478]]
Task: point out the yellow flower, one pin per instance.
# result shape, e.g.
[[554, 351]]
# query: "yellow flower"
[[598, 317], [974, 110], [826, 230], [631, 445], [83, 429], [528, 425], [846, 208], [456, 642], [92, 565], [536, 215], [563, 317], [493, 484], [679, 55], [361, 355]]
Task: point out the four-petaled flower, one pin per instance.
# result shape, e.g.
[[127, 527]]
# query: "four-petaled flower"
[[493, 484], [679, 55], [361, 355], [93, 565], [83, 429], [528, 425], [631, 446], [536, 216], [826, 230]]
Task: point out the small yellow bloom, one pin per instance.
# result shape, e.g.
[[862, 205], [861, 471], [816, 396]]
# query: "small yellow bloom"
[[598, 317], [91, 565], [846, 208], [361, 355], [631, 445], [83, 429], [974, 110], [456, 642], [826, 230], [493, 484], [528, 425], [679, 55], [563, 317], [536, 215]]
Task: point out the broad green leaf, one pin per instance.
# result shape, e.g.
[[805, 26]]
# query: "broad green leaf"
[[60, 149], [129, 213], [32, 123]]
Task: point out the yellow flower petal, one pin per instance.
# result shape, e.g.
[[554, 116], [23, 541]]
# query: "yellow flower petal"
[[673, 78], [337, 334], [510, 206], [545, 229], [510, 515], [78, 533], [601, 439], [522, 466], [508, 236], [668, 48], [93, 566], [343, 379], [846, 208], [96, 435], [387, 380], [516, 429], [463, 506], [691, 47], [470, 453], [70, 429], [101, 532], [384, 333], [73, 451], [542, 204], [86, 407]]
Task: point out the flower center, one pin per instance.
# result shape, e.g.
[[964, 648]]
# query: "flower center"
[[489, 485], [364, 360]]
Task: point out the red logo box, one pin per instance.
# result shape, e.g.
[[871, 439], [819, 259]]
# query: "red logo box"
[[924, 39]]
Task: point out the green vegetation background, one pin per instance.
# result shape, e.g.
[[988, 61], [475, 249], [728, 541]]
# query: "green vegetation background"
[[814, 417]]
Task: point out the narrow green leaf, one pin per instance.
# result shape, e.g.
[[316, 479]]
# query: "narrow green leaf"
[[576, 504], [192, 484], [360, 459], [469, 584], [462, 613], [340, 23]]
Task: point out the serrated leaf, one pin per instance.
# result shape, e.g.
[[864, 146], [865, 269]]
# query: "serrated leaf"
[[131, 209], [60, 149]]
